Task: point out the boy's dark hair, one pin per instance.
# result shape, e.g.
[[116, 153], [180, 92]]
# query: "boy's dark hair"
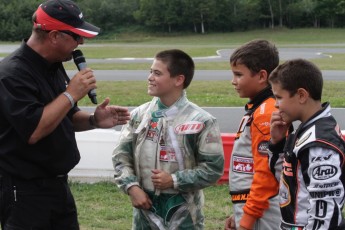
[[178, 62], [298, 73], [256, 55]]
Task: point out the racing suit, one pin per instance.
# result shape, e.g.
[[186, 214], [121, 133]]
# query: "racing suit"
[[253, 188], [312, 183], [183, 140]]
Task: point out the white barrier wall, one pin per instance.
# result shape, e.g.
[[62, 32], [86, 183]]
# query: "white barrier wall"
[[96, 148]]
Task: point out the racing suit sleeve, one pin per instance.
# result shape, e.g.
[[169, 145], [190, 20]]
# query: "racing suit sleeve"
[[123, 158], [324, 188], [264, 184], [209, 160], [276, 158]]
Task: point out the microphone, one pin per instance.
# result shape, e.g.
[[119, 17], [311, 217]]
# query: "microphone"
[[80, 62]]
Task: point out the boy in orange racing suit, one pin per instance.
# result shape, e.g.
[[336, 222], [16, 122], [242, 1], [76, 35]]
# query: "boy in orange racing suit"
[[253, 187]]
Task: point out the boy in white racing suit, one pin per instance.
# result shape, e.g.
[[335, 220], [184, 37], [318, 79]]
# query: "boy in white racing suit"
[[169, 151]]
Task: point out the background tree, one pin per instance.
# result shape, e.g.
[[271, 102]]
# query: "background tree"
[[151, 14], [326, 12], [175, 16], [15, 18]]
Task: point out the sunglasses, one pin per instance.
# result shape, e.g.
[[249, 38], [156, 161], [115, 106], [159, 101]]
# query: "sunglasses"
[[76, 37]]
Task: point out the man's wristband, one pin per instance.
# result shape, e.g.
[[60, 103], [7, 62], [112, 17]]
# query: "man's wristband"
[[92, 121], [70, 98]]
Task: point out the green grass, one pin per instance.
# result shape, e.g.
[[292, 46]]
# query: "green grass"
[[335, 62], [146, 66], [102, 206], [203, 93]]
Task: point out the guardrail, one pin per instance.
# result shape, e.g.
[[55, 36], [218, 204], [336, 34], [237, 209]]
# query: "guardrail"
[[96, 147], [228, 142]]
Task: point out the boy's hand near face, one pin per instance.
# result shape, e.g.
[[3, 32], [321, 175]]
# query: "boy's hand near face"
[[279, 127]]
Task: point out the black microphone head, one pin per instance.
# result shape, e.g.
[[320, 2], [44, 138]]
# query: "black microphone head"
[[78, 57]]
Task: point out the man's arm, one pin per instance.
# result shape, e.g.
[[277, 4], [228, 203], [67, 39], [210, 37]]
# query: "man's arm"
[[55, 111], [52, 115]]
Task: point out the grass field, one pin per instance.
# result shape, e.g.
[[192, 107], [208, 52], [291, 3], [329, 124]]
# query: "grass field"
[[203, 93], [102, 206]]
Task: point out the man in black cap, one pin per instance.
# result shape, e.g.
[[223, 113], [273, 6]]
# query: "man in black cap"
[[39, 117]]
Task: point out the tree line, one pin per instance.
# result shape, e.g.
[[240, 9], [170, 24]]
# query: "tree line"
[[175, 16]]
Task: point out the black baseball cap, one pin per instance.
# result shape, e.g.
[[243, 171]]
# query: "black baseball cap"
[[63, 15]]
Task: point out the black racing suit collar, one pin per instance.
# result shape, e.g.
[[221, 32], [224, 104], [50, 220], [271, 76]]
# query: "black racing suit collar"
[[323, 112], [258, 99]]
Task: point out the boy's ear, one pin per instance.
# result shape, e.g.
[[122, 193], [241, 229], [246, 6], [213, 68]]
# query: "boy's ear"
[[263, 76], [179, 80], [303, 95]]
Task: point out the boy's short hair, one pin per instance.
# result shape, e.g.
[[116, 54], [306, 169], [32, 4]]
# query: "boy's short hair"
[[256, 55], [178, 62], [298, 73]]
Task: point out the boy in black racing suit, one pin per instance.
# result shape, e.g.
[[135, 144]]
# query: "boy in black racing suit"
[[312, 183]]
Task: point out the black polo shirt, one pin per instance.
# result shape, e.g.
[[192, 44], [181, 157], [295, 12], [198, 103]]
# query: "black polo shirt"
[[27, 84]]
